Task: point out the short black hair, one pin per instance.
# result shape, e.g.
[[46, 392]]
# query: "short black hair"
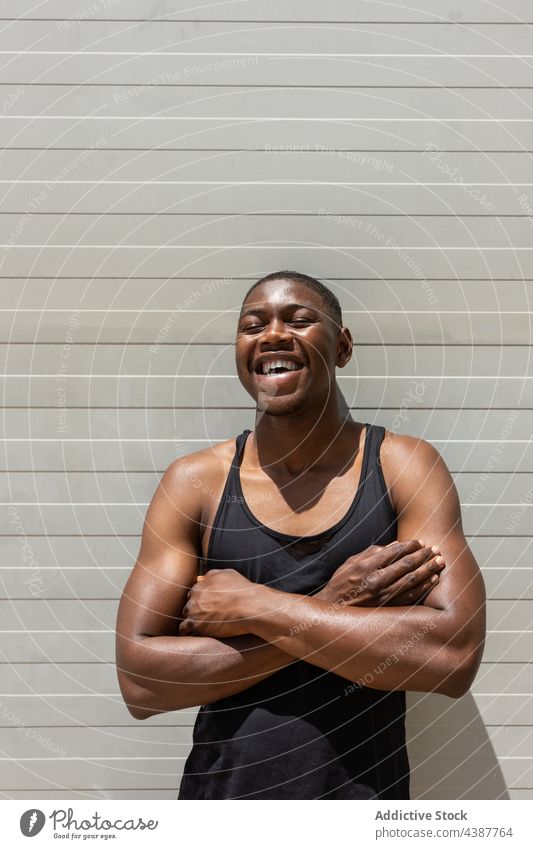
[[330, 301]]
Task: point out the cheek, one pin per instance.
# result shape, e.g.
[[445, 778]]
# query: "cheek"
[[242, 357]]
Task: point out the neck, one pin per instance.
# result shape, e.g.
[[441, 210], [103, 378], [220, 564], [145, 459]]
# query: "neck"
[[293, 444]]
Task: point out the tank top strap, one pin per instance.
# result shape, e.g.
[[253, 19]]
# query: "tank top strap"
[[232, 479], [240, 442], [376, 491], [228, 496], [375, 435]]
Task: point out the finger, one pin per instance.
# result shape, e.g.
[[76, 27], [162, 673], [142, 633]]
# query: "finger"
[[419, 576], [394, 551], [413, 577], [200, 577], [417, 594], [408, 565]]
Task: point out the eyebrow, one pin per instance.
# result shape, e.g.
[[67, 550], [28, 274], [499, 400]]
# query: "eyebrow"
[[260, 310]]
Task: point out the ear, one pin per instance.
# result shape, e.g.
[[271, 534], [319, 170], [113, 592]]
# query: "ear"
[[344, 347]]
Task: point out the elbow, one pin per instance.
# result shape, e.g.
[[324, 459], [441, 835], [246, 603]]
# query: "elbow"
[[136, 697], [454, 686], [462, 646], [144, 694], [138, 712], [136, 702], [460, 670]]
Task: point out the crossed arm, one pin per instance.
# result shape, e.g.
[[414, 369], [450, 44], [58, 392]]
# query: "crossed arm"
[[234, 633]]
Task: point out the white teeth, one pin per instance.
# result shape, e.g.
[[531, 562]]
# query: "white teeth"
[[271, 364]]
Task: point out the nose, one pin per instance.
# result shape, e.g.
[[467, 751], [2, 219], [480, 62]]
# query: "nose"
[[275, 329]]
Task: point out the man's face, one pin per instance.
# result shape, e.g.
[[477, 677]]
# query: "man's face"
[[285, 321]]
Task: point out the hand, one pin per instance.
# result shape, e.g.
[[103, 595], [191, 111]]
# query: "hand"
[[212, 606], [401, 573]]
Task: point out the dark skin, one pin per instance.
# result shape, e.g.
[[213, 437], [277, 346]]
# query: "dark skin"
[[232, 632]]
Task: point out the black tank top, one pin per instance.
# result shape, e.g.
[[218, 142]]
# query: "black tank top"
[[303, 732]]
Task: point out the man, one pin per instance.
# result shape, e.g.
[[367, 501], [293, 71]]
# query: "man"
[[337, 577]]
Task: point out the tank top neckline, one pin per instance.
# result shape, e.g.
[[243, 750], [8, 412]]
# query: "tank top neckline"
[[333, 528]]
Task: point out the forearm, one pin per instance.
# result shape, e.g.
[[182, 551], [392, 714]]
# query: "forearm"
[[386, 648], [172, 673]]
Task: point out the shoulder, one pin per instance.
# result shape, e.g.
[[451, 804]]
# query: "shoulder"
[[412, 466], [205, 463], [399, 449], [198, 477]]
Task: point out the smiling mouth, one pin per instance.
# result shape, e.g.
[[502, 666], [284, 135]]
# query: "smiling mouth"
[[276, 371], [277, 376]]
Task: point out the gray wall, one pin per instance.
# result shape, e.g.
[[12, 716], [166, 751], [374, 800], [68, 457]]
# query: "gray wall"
[[141, 195]]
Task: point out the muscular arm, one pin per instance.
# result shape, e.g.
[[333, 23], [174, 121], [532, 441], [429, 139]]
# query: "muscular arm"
[[157, 669], [434, 647]]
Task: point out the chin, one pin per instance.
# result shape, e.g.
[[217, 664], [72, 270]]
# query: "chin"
[[279, 408]]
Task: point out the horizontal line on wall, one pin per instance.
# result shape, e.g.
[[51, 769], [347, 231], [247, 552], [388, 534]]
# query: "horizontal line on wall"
[[69, 630], [244, 279], [11, 663], [118, 696], [114, 599], [246, 119], [125, 471], [166, 725], [224, 247], [415, 345], [237, 312], [71, 695], [300, 21], [138, 536], [146, 503], [175, 439], [113, 630], [54, 181], [97, 759], [272, 215], [436, 55], [58, 787], [323, 150], [344, 377], [121, 568], [31, 407], [270, 86]]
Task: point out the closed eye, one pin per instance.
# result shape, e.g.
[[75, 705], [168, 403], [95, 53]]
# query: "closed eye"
[[252, 328]]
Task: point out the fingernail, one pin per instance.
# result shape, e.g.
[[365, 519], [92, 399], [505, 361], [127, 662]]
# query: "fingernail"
[[434, 579], [436, 549], [439, 560], [421, 542]]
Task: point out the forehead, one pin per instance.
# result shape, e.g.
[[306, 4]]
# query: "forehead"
[[278, 293]]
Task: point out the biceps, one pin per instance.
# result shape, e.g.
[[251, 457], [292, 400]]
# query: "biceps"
[[155, 593], [433, 514]]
